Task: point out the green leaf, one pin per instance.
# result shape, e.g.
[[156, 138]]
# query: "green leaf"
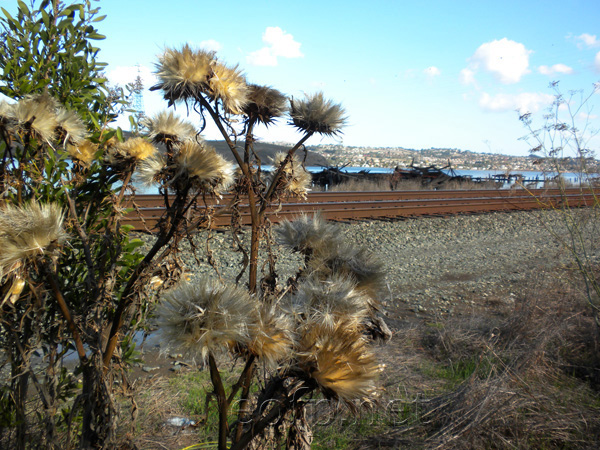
[[99, 18], [120, 134]]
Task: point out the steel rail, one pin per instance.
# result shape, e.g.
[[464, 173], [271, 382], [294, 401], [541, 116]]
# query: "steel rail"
[[378, 205]]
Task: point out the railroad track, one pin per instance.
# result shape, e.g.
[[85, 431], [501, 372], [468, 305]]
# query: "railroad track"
[[364, 205]]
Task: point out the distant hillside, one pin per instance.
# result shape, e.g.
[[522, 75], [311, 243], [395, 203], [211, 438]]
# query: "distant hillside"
[[266, 152]]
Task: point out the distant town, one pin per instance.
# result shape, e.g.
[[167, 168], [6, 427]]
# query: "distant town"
[[340, 155]]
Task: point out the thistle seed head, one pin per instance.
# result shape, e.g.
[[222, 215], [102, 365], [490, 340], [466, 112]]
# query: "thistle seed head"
[[354, 262], [295, 179], [131, 151], [28, 232], [306, 233], [331, 301], [204, 166], [271, 336], [339, 360], [184, 73], [265, 104], [317, 115], [71, 128], [84, 152], [151, 169], [228, 85], [207, 317], [166, 127], [37, 113]]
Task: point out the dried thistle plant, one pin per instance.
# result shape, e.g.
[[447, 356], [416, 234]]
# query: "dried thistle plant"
[[204, 166], [317, 115], [354, 262], [28, 232], [152, 169], [37, 114], [331, 301], [184, 73], [166, 127], [228, 85], [306, 233], [134, 149], [265, 104], [295, 179], [71, 128], [339, 360], [207, 317], [271, 336], [84, 152]]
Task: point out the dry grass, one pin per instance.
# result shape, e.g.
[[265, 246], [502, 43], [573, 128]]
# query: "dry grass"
[[357, 185], [528, 380], [525, 377]]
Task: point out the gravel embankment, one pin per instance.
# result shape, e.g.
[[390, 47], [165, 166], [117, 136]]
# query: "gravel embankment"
[[438, 265]]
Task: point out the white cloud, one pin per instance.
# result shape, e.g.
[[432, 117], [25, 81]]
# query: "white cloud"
[[555, 69], [587, 40], [211, 44], [279, 44], [432, 72], [123, 75], [467, 77], [597, 62], [523, 102], [262, 57], [507, 60]]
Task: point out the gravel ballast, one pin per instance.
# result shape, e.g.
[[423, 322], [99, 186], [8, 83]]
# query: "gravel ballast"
[[435, 265]]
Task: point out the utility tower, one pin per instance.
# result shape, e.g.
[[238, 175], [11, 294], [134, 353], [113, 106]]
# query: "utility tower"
[[137, 103]]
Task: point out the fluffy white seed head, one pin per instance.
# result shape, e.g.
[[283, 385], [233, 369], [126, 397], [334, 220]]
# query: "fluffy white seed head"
[[228, 85], [295, 179], [339, 360], [271, 336], [207, 317], [167, 127], [83, 152], [184, 73], [36, 113], [317, 115], [151, 170], [307, 233], [71, 128], [28, 232], [265, 104], [131, 151], [331, 301]]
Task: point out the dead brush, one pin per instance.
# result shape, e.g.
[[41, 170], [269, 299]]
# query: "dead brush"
[[518, 391]]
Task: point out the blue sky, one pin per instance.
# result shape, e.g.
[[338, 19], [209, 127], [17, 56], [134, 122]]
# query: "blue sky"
[[416, 74]]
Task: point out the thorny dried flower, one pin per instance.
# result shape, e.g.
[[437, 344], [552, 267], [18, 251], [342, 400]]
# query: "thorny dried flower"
[[27, 232], [228, 85], [84, 152], [265, 104], [307, 233], [184, 73], [6, 114], [339, 360], [331, 301], [151, 169], [271, 337], [131, 151], [204, 166], [317, 115], [166, 127], [71, 128], [354, 262], [295, 179], [36, 113], [207, 317]]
